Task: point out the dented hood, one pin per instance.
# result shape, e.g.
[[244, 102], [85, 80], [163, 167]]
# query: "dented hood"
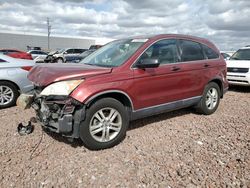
[[44, 75]]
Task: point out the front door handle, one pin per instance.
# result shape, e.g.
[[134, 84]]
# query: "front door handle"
[[175, 68]]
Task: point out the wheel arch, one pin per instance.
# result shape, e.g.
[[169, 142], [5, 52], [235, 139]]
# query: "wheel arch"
[[121, 96], [219, 83], [3, 80]]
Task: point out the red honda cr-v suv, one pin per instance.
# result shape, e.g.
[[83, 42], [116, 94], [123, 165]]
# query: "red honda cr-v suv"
[[126, 80]]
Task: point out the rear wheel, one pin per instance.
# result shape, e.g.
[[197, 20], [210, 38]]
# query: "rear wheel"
[[8, 94], [210, 99], [105, 124]]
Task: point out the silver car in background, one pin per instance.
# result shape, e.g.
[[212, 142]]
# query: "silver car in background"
[[13, 79]]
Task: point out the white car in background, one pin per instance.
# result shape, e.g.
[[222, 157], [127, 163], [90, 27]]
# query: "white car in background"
[[238, 67], [37, 53], [13, 79]]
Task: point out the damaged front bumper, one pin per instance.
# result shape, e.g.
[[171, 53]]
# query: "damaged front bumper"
[[60, 114]]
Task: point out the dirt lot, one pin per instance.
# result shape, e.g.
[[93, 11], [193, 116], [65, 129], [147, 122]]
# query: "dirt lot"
[[177, 149]]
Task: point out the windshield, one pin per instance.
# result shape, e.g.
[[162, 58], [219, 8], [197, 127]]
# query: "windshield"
[[242, 54], [113, 54], [61, 51]]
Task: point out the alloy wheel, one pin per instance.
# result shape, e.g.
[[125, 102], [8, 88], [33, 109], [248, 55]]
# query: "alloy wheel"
[[105, 124], [212, 98], [6, 95]]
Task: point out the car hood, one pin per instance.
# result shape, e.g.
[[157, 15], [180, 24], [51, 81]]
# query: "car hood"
[[44, 75], [238, 63]]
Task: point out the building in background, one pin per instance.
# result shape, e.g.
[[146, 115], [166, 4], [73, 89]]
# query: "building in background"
[[23, 41]]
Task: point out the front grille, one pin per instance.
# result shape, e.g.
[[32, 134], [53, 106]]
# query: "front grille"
[[240, 81], [237, 70]]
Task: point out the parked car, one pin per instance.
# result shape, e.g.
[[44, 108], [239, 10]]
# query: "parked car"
[[40, 59], [64, 55], [225, 55], [37, 53], [83, 55], [16, 53], [238, 67], [95, 47], [13, 79], [126, 80]]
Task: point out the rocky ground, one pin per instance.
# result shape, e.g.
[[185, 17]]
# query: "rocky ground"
[[177, 149]]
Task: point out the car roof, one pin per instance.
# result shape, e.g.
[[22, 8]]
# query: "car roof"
[[245, 47], [179, 36]]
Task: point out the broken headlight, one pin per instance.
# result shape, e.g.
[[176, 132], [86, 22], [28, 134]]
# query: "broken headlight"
[[61, 88]]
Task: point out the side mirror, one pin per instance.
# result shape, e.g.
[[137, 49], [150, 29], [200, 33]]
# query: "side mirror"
[[148, 63], [65, 52]]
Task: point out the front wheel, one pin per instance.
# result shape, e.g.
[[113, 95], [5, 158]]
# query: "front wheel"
[[210, 99], [105, 124], [59, 60]]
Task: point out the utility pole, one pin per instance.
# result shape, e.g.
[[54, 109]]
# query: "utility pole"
[[49, 29]]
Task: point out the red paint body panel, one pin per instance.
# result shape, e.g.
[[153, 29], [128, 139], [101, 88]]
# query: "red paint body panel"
[[16, 54], [144, 87], [44, 75]]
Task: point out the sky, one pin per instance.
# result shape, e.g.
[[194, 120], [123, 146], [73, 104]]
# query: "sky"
[[224, 22]]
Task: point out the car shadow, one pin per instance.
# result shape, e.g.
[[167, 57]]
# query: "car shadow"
[[160, 117], [133, 125], [241, 89], [58, 137]]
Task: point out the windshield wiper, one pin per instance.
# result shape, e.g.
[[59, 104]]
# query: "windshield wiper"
[[234, 58]]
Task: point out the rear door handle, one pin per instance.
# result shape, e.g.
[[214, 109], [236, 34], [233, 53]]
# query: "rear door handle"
[[175, 68], [206, 65]]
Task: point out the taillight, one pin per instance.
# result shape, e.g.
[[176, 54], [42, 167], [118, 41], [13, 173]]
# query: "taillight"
[[27, 68]]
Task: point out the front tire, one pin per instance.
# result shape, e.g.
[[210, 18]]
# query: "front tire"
[[210, 99], [59, 60], [8, 94], [105, 124]]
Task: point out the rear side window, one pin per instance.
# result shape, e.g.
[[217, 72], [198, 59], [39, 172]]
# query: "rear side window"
[[210, 53], [79, 51], [190, 51], [70, 51], [165, 51]]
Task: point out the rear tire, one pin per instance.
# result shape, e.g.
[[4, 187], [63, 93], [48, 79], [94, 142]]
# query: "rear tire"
[[210, 99], [8, 94], [105, 124]]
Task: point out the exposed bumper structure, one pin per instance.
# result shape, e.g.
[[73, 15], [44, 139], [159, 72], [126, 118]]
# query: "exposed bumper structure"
[[60, 114]]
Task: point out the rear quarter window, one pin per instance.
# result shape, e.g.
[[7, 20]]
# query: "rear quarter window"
[[210, 53], [190, 51]]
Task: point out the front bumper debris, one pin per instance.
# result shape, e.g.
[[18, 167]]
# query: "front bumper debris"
[[59, 114], [24, 101]]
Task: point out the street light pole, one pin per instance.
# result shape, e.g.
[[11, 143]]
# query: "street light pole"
[[49, 29]]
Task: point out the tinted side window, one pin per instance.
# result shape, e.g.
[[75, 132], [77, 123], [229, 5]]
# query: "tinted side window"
[[70, 51], [190, 51], [210, 53], [79, 51], [165, 51], [12, 51]]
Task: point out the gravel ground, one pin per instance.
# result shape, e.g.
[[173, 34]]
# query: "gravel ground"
[[177, 149]]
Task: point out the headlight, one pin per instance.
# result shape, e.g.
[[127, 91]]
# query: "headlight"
[[61, 88]]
